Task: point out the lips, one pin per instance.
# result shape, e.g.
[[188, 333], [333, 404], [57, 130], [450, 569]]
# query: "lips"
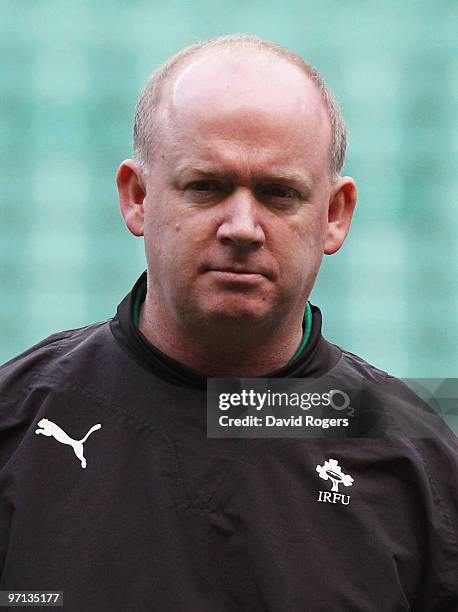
[[239, 273], [236, 270], [239, 270], [237, 276]]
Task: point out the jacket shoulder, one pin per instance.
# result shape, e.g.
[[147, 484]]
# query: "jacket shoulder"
[[356, 367], [39, 358], [26, 379], [409, 410]]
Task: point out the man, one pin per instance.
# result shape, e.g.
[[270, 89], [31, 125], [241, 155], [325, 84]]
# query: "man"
[[111, 490]]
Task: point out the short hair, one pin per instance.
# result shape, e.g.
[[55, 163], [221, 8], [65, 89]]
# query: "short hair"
[[148, 103]]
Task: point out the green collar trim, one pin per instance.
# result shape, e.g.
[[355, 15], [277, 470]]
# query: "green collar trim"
[[306, 335], [305, 338]]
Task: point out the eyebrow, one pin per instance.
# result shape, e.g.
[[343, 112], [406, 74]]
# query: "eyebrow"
[[274, 177]]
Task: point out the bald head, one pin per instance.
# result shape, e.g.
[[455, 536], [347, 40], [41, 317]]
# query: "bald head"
[[240, 97], [241, 77], [237, 73], [229, 80]]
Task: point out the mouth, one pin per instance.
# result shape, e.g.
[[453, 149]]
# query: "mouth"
[[238, 269], [236, 274]]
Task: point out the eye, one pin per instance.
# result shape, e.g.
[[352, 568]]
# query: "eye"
[[205, 192], [280, 191], [279, 195], [204, 186]]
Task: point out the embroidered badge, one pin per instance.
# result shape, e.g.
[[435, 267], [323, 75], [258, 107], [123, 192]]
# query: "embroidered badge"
[[332, 471]]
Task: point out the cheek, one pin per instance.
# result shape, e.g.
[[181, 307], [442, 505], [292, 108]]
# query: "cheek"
[[317, 231], [305, 235], [159, 222], [300, 251], [173, 240]]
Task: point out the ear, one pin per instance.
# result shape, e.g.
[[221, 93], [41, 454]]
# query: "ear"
[[340, 212], [132, 191]]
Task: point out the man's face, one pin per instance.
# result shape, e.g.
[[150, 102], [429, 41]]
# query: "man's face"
[[237, 194]]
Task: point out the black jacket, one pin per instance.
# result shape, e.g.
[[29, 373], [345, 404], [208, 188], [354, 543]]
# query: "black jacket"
[[163, 518]]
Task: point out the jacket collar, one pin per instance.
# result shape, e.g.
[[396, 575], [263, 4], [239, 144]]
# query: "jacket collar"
[[318, 357]]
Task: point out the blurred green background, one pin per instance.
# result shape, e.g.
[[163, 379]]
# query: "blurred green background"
[[70, 75]]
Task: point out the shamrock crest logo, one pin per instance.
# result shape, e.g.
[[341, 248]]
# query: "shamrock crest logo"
[[331, 470]]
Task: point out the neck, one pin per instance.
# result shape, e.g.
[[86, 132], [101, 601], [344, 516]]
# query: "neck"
[[223, 352]]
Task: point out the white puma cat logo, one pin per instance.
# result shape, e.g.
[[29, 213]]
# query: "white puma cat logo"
[[51, 429]]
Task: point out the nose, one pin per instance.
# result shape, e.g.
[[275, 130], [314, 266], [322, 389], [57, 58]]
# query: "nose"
[[240, 224]]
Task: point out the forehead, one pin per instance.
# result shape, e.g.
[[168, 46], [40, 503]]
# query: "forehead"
[[244, 100]]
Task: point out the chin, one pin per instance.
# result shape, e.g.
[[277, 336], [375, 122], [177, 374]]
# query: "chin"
[[237, 311]]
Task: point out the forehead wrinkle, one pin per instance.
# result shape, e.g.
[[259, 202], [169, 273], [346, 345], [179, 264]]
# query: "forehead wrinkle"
[[241, 134]]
